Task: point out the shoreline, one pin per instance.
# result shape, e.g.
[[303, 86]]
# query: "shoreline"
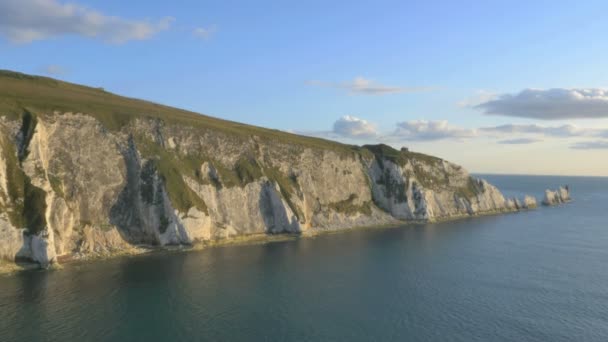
[[8, 268]]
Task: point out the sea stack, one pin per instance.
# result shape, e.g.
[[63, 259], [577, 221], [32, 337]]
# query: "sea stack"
[[555, 197]]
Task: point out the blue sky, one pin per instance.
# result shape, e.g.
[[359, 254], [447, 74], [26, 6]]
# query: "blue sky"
[[366, 71]]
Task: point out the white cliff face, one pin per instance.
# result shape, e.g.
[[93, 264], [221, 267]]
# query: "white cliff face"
[[13, 243], [432, 190], [554, 197], [43, 248], [93, 192]]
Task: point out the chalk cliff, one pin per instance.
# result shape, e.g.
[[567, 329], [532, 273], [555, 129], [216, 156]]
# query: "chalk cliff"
[[84, 172], [555, 197]]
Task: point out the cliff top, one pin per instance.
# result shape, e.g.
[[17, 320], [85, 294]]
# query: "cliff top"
[[21, 93]]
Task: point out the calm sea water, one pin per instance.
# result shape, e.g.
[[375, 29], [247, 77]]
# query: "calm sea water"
[[535, 276]]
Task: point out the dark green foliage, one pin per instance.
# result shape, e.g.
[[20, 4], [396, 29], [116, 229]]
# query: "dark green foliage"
[[382, 151], [105, 227], [85, 222], [26, 204], [349, 207], [470, 190], [247, 170], [181, 196], [169, 166]]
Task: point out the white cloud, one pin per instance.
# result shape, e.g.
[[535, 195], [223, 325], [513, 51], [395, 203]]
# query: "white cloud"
[[550, 104], [551, 131], [590, 145], [356, 129], [430, 130], [25, 21], [204, 32], [365, 86], [352, 127]]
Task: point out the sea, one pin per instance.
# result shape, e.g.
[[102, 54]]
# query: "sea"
[[539, 275]]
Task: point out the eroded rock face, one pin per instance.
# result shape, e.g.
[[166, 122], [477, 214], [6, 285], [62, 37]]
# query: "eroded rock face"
[[528, 202], [555, 197], [91, 191], [43, 248], [432, 190]]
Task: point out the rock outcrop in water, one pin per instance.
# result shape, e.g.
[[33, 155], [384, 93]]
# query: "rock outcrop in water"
[[555, 197], [84, 172], [527, 203]]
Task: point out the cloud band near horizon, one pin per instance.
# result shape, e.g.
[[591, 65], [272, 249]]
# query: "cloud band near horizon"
[[549, 104]]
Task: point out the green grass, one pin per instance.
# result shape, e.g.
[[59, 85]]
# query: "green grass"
[[349, 207], [170, 167], [382, 151], [21, 93], [470, 190]]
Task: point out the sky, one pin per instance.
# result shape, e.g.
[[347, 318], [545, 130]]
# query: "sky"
[[496, 86]]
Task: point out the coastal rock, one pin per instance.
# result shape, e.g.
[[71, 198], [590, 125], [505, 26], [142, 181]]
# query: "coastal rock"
[[104, 192], [43, 248], [102, 183], [555, 197], [412, 186], [529, 202]]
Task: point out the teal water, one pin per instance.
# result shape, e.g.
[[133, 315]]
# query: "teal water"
[[534, 276]]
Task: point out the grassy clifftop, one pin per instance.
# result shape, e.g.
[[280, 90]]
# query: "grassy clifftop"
[[40, 95], [24, 95]]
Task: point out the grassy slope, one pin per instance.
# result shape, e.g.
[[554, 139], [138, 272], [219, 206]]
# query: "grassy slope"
[[41, 95]]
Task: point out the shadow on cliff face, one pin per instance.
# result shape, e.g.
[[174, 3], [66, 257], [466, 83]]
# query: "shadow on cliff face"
[[275, 214], [126, 212]]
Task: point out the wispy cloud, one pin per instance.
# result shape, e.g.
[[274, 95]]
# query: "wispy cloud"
[[549, 104], [590, 145], [354, 128], [519, 141], [365, 86], [205, 32], [550, 131], [430, 130], [25, 21]]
